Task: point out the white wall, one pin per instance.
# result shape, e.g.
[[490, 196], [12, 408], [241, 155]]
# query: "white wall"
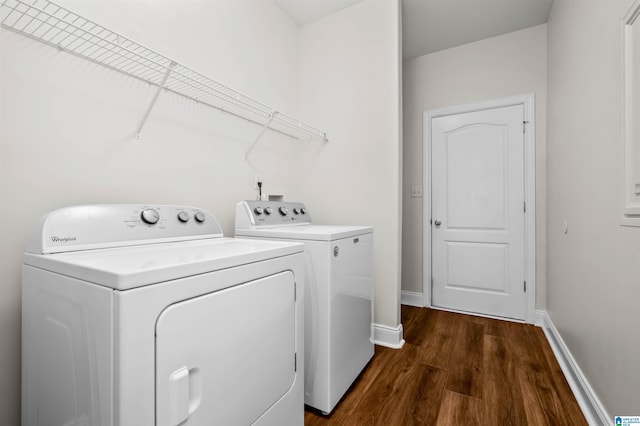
[[350, 84], [499, 67], [593, 269], [68, 125], [67, 129]]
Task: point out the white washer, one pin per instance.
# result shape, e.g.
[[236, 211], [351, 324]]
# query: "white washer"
[[339, 293], [146, 315]]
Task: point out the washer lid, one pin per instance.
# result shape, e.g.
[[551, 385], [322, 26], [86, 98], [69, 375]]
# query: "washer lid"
[[307, 232], [124, 268]]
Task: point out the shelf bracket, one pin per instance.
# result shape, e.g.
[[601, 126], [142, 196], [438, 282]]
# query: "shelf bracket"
[[155, 98], [264, 129]]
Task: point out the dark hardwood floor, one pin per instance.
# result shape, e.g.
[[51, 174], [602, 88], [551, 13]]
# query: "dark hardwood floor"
[[457, 369]]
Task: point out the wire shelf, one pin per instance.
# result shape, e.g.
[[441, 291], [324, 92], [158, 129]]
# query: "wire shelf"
[[56, 26]]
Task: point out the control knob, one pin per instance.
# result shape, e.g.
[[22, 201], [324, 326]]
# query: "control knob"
[[296, 210], [150, 216], [199, 217], [258, 210], [303, 210], [267, 210], [183, 217], [283, 211]]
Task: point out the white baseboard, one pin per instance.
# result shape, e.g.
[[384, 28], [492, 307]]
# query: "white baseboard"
[[412, 298], [590, 404], [388, 336]]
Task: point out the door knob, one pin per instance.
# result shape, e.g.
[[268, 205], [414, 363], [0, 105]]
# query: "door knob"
[[437, 222]]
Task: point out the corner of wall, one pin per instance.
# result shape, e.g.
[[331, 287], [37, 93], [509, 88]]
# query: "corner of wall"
[[390, 337]]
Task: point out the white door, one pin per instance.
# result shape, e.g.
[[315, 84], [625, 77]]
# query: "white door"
[[226, 357], [478, 218]]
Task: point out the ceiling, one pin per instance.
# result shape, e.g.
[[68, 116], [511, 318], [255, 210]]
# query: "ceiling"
[[304, 11], [432, 25]]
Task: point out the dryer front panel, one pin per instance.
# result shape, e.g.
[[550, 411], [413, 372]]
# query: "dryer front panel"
[[226, 357]]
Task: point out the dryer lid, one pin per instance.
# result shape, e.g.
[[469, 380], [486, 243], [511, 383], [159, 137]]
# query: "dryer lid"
[[123, 268]]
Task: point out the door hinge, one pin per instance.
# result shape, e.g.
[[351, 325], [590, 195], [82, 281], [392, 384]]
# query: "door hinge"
[[525, 286], [524, 126], [295, 361], [525, 206]]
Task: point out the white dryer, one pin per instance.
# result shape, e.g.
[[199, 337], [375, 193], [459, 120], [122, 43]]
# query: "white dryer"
[[139, 315], [338, 295]]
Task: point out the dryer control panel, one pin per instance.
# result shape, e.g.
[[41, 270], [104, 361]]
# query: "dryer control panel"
[[116, 225], [251, 214]]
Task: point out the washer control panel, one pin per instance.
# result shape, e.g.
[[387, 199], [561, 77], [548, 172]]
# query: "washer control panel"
[[114, 225], [273, 213]]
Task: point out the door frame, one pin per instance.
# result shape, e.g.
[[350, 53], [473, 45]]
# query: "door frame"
[[528, 103]]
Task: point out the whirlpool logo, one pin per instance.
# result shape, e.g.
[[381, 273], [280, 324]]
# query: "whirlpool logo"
[[62, 240]]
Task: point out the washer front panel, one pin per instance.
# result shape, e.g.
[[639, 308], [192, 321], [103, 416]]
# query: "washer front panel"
[[338, 311]]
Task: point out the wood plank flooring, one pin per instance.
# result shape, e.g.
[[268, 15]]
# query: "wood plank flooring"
[[457, 369]]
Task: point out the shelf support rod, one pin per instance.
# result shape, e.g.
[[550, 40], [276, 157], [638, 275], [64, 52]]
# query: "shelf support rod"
[[264, 129], [155, 98]]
